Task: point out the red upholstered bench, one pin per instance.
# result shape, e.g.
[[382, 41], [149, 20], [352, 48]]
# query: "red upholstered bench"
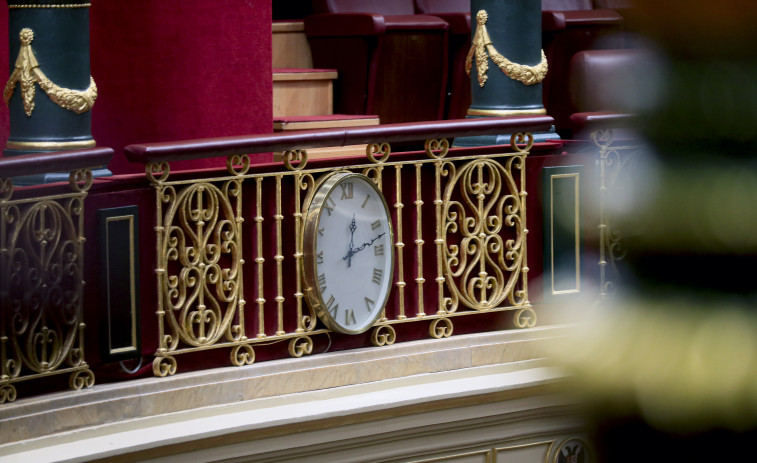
[[606, 86], [632, 36], [391, 62], [568, 27], [457, 14]]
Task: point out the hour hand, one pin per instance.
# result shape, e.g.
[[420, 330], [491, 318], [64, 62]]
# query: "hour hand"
[[351, 252]]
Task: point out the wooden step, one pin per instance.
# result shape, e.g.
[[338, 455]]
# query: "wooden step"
[[290, 45], [285, 124], [303, 92], [331, 121]]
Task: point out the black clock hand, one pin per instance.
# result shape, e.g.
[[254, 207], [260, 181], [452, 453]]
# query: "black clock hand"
[[350, 253], [354, 251]]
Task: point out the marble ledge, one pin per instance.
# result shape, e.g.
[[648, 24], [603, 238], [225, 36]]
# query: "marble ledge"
[[109, 403]]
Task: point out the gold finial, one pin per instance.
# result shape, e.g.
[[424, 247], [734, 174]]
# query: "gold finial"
[[481, 17], [26, 35]]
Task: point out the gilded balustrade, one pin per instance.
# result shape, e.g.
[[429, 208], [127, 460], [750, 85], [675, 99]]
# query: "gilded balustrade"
[[616, 165], [469, 214], [41, 268]]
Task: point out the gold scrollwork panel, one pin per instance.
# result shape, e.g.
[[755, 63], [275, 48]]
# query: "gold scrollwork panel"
[[43, 300], [200, 264], [483, 234], [41, 287]]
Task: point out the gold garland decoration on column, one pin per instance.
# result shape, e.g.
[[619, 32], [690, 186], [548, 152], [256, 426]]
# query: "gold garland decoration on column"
[[482, 48], [27, 73]]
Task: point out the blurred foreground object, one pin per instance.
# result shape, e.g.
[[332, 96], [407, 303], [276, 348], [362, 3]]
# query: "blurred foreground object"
[[668, 371]]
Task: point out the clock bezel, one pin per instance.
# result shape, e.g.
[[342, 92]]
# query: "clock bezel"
[[312, 291]]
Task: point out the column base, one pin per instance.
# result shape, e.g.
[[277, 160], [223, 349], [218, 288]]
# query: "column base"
[[502, 139], [21, 148], [55, 177]]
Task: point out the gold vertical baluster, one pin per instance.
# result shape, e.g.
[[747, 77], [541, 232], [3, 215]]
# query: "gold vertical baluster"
[[260, 260], [238, 220], [399, 244], [161, 270], [298, 295], [43, 337], [279, 258], [602, 219], [4, 371], [201, 294], [524, 225], [240, 281], [419, 280], [80, 274], [439, 240], [4, 279], [482, 273]]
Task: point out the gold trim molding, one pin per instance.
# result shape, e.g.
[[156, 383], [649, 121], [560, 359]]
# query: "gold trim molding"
[[27, 73], [576, 177], [506, 112], [47, 145], [483, 48], [37, 5]]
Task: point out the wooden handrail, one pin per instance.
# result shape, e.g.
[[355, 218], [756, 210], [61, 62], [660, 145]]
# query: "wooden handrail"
[[604, 120], [266, 143], [58, 161]]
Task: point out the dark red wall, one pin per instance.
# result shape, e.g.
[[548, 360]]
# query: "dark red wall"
[[179, 69]]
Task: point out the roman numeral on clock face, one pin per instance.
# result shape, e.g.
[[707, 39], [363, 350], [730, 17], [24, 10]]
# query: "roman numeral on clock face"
[[331, 307], [346, 190], [369, 303], [377, 275], [322, 282], [375, 224], [378, 250], [329, 205], [349, 317]]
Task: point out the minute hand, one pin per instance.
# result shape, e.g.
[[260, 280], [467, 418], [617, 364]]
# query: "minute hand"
[[354, 251]]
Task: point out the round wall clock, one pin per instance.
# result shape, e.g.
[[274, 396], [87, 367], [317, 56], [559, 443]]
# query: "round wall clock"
[[348, 253]]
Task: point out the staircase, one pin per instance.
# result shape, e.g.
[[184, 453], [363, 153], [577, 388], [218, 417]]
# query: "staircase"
[[303, 96]]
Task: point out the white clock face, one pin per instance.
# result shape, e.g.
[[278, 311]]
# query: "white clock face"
[[351, 259]]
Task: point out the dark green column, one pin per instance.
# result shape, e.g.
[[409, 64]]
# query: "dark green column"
[[505, 64], [49, 91]]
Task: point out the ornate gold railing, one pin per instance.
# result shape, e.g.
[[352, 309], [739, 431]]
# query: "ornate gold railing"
[[616, 170], [459, 227], [41, 260]]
